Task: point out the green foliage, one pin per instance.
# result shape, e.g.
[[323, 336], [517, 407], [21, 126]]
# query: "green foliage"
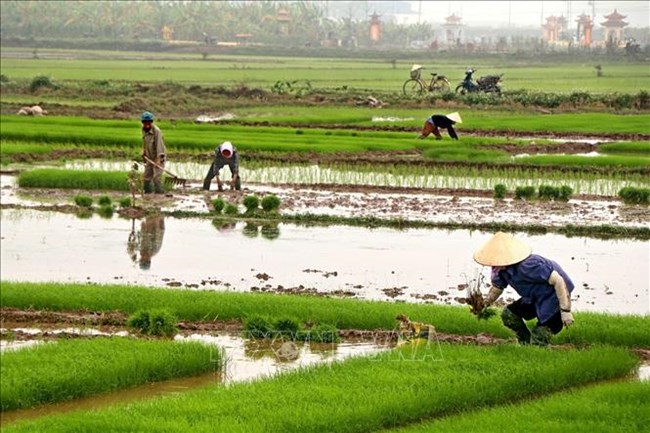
[[525, 192], [39, 82], [632, 195], [105, 211], [125, 202], [83, 200], [548, 192], [104, 200], [270, 231], [323, 333], [270, 203], [257, 327], [231, 209], [157, 322], [218, 204], [251, 203], [73, 179], [500, 191], [4, 79], [287, 326], [565, 193]]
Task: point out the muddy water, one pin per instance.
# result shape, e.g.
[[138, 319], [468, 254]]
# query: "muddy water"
[[413, 265], [246, 360]]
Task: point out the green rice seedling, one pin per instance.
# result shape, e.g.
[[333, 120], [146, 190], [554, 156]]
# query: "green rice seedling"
[[525, 192], [323, 333], [565, 193], [104, 200], [548, 192], [231, 209], [69, 369], [125, 202], [500, 191], [73, 179], [83, 200], [632, 195], [270, 203], [365, 394], [157, 322], [218, 204], [258, 326], [287, 326], [105, 211], [251, 203]]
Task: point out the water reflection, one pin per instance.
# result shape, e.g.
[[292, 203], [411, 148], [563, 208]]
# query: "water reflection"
[[142, 245], [268, 230]]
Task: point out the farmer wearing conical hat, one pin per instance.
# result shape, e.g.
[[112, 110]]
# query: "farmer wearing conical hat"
[[436, 121], [544, 287]]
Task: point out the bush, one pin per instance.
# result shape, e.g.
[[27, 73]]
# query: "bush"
[[231, 209], [632, 195], [40, 81], [257, 327], [548, 192], [104, 200], [524, 192], [159, 322], [251, 203], [500, 191], [83, 200], [3, 79], [125, 202], [218, 204], [270, 203], [565, 193]]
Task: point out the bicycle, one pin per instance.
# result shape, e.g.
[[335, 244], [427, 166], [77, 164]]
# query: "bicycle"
[[415, 85]]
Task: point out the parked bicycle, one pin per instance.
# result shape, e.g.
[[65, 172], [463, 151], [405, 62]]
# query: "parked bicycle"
[[416, 85]]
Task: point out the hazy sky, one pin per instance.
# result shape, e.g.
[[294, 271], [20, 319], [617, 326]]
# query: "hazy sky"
[[528, 13]]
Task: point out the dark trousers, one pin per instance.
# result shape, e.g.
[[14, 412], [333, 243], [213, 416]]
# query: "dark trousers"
[[527, 312]]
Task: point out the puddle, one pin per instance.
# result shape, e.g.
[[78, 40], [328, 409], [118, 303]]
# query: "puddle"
[[644, 371], [247, 360], [414, 265]]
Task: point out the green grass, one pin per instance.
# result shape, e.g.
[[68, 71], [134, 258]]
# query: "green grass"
[[605, 408], [343, 313], [73, 179], [587, 161], [69, 369], [360, 394], [632, 147]]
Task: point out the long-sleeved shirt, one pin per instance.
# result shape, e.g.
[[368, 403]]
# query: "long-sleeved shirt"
[[154, 143]]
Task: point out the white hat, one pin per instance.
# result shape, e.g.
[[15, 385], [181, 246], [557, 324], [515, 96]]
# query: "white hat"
[[416, 67], [455, 117], [226, 146], [502, 250]]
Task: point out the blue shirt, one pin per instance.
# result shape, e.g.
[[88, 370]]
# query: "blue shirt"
[[529, 278]]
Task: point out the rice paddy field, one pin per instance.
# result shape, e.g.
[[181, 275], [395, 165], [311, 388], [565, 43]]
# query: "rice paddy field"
[[121, 311]]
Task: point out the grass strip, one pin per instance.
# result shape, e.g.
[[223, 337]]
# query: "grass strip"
[[360, 394], [73, 179], [605, 408], [69, 369], [630, 331]]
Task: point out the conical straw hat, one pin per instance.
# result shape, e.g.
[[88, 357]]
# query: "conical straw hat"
[[502, 250], [455, 117], [416, 67]]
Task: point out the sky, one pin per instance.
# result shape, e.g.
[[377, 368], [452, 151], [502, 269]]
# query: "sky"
[[527, 13]]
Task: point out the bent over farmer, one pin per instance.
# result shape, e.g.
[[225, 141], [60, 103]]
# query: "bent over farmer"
[[224, 154], [153, 153], [544, 287], [436, 121]]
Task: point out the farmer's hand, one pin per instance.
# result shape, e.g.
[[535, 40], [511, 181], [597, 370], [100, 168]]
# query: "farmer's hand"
[[144, 157], [162, 159], [567, 318], [492, 295]]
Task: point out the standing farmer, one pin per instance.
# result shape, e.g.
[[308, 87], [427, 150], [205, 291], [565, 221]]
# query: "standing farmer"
[[544, 287], [224, 154], [153, 153], [436, 121]]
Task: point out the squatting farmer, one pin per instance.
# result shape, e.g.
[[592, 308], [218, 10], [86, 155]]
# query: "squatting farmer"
[[544, 287], [224, 154], [153, 154], [436, 121]]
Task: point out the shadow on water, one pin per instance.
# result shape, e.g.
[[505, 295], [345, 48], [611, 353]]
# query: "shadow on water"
[[409, 265], [246, 360]]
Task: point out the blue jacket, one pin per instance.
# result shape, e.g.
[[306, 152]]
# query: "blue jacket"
[[529, 278]]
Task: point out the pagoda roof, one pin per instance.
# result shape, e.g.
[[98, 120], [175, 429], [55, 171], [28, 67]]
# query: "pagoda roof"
[[615, 16], [453, 19]]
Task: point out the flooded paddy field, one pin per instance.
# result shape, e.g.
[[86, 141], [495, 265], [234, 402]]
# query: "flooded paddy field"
[[413, 265]]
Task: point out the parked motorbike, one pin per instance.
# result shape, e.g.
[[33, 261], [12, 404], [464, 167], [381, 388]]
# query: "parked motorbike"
[[487, 83]]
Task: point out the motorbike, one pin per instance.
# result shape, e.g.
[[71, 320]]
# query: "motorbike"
[[487, 83]]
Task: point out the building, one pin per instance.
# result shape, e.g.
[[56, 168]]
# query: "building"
[[614, 28]]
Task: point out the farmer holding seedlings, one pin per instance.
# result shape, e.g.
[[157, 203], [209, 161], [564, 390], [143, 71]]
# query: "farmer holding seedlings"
[[436, 121], [224, 154], [544, 287], [153, 153]]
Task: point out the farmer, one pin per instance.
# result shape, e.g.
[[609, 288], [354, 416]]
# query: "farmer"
[[153, 154], [544, 287], [224, 154], [436, 121]]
